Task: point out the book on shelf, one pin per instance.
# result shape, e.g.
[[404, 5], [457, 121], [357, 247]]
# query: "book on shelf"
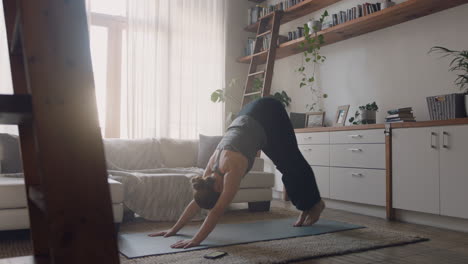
[[258, 11], [402, 115], [250, 45], [400, 110], [399, 121], [354, 13]]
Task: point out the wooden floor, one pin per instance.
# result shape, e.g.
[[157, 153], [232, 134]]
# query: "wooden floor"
[[444, 247]]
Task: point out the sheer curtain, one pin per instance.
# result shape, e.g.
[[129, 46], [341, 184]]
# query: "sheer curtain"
[[6, 86], [175, 59]]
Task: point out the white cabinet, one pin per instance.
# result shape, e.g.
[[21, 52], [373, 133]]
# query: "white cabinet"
[[313, 138], [415, 159], [348, 165], [358, 185], [318, 155], [430, 170], [454, 171], [370, 156], [358, 136], [322, 176]]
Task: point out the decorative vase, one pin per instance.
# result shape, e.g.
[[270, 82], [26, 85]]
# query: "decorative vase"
[[368, 116], [466, 105], [314, 26], [310, 25], [386, 4]]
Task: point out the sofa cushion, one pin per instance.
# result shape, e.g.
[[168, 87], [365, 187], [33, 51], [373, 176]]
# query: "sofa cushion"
[[206, 147], [258, 179], [179, 153], [10, 155], [13, 192], [133, 154]]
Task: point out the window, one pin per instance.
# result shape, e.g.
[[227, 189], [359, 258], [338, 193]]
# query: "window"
[[108, 20]]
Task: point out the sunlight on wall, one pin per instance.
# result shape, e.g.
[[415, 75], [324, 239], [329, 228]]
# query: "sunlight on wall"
[[5, 74]]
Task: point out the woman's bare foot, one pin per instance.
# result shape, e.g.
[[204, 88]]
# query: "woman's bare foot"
[[310, 216]]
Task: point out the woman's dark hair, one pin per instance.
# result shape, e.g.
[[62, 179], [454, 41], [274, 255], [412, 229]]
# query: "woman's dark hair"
[[203, 192]]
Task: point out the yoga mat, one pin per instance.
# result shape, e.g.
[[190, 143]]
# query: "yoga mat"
[[136, 245]]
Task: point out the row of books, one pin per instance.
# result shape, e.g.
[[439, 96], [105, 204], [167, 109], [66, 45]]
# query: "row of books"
[[400, 115], [355, 12], [249, 48], [258, 11], [299, 33]]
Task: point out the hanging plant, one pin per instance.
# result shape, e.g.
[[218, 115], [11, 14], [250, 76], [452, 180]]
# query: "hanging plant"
[[220, 95], [312, 58]]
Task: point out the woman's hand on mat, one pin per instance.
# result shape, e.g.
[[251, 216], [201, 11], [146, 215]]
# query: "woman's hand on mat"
[[167, 233], [186, 244]]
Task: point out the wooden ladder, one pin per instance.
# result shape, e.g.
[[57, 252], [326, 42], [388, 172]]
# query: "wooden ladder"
[[54, 106], [269, 25]]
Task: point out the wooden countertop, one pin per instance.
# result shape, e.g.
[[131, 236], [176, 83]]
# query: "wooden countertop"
[[451, 122]]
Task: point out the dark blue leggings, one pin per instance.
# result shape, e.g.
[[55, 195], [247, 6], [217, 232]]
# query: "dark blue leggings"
[[282, 149]]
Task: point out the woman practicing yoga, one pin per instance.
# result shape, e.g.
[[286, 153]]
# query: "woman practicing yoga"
[[262, 125]]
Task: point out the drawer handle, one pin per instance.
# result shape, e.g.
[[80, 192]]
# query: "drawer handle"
[[355, 149], [356, 174], [355, 136], [308, 137]]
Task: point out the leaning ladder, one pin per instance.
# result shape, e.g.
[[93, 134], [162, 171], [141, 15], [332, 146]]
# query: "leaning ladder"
[[268, 26], [54, 106]]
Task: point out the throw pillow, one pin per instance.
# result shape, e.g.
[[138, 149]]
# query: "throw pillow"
[[206, 147], [10, 154], [179, 153]]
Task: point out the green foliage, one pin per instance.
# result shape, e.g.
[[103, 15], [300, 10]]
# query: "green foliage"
[[312, 58], [459, 64], [370, 107], [283, 98], [218, 96]]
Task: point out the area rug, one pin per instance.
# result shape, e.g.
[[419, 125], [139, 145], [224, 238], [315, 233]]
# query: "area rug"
[[135, 245], [374, 236]]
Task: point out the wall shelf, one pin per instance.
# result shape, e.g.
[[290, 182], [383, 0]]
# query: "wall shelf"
[[406, 11], [302, 9]]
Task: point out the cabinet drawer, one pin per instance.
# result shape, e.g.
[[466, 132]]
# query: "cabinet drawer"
[[322, 176], [358, 185], [316, 154], [313, 138], [370, 156], [358, 136]]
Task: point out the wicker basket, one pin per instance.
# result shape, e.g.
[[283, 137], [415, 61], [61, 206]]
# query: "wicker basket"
[[447, 106]]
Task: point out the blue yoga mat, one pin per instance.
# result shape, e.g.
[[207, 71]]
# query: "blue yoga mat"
[[138, 245]]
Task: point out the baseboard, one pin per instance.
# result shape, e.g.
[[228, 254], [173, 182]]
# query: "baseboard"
[[445, 222], [364, 209]]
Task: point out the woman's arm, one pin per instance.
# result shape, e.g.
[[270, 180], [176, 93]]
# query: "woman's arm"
[[190, 211], [231, 185]]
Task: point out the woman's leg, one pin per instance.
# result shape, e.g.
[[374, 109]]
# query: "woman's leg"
[[283, 150]]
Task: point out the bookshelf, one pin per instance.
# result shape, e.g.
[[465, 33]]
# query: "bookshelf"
[[406, 11], [303, 8]]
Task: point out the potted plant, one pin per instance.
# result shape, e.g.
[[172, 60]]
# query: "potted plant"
[[459, 65], [312, 58], [366, 114], [221, 96]]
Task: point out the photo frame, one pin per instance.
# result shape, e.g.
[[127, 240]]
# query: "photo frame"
[[341, 115], [315, 119]]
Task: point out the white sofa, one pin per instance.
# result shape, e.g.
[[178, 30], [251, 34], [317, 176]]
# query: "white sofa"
[[131, 155]]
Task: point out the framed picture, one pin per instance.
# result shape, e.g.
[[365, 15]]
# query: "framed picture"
[[341, 115], [315, 119]]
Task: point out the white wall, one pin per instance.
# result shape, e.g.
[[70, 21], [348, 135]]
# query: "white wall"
[[236, 37], [390, 66]]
